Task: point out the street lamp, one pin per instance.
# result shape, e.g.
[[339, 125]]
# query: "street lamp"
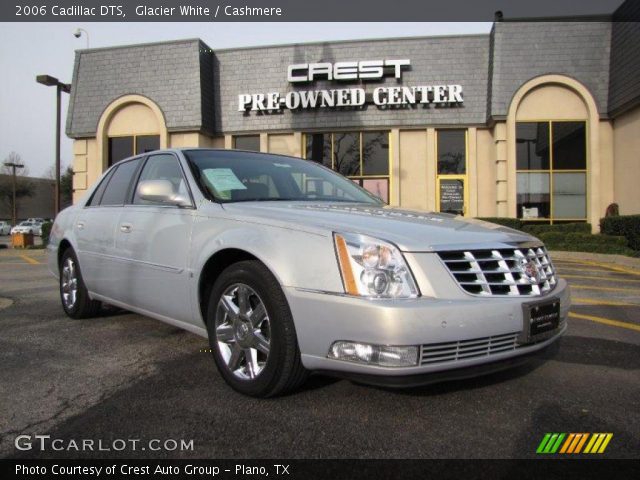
[[50, 81], [13, 166], [78, 33]]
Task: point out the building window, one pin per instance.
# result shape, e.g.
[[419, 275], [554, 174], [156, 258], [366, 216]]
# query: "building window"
[[247, 142], [452, 152], [551, 162], [318, 148], [361, 156], [120, 148], [127, 146], [451, 180], [147, 143]]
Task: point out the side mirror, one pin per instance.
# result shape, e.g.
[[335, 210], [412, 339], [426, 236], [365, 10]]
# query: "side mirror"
[[161, 191]]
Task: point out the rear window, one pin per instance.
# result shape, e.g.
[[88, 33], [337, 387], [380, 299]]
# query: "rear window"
[[117, 187]]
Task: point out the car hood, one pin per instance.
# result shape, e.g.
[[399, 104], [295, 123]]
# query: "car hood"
[[410, 230]]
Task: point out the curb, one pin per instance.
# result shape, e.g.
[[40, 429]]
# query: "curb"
[[628, 262]]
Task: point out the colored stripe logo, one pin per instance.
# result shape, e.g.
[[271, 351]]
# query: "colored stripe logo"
[[574, 443]]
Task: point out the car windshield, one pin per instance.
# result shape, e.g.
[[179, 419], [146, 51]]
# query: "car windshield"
[[26, 224], [238, 176]]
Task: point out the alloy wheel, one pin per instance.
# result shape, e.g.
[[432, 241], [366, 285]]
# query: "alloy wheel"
[[243, 331], [69, 283]]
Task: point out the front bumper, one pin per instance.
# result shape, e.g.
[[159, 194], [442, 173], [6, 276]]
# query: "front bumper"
[[322, 319], [460, 373]]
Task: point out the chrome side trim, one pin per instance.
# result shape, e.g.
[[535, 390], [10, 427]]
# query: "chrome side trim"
[[157, 266]]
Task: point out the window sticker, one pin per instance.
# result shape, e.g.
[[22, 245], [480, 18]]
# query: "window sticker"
[[223, 179]]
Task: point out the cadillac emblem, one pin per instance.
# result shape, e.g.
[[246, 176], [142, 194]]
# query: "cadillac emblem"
[[531, 271]]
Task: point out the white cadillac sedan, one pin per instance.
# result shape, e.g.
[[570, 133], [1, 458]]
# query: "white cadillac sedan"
[[289, 268]]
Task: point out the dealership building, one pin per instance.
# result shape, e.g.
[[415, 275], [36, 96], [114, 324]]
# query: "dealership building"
[[535, 120]]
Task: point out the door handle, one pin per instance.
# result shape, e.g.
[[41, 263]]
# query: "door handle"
[[125, 228], [80, 225]]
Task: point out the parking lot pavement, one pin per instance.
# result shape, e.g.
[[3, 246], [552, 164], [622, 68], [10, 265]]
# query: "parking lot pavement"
[[124, 376]]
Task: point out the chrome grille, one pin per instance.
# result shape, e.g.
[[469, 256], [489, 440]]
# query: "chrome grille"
[[464, 349], [512, 271]]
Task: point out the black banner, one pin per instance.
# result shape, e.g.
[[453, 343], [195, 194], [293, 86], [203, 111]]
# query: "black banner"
[[297, 10], [321, 469]]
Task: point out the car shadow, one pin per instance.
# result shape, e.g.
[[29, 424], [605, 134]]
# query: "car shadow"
[[111, 311], [599, 351]]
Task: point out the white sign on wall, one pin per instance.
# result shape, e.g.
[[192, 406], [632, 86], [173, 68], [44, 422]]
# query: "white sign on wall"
[[442, 95]]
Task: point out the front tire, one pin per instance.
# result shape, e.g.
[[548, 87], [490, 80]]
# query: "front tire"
[[73, 292], [251, 332]]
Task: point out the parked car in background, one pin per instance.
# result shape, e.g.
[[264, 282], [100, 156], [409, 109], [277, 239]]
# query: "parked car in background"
[[290, 268], [36, 220], [5, 227], [27, 227]]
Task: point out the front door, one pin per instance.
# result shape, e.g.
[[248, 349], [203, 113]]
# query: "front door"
[[154, 240]]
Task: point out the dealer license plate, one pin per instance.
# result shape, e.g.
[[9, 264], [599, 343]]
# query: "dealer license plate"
[[540, 320]]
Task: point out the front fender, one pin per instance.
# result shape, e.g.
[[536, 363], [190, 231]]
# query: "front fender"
[[62, 229], [297, 259]]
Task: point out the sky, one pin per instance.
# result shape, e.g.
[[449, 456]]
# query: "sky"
[[27, 109]]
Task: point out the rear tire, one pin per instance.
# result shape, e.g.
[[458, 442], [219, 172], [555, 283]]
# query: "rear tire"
[[251, 332], [73, 292]]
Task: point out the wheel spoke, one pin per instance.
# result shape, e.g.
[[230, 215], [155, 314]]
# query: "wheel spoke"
[[234, 359], [251, 357], [224, 333], [243, 299], [261, 343], [230, 307], [257, 314], [69, 283]]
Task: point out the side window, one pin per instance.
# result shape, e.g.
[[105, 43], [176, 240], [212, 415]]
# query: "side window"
[[118, 186], [162, 167], [97, 195]]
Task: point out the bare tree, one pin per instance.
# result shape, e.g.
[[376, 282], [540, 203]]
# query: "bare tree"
[[24, 187], [66, 184]]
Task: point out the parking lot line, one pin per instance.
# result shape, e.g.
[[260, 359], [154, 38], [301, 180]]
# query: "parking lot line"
[[18, 263], [605, 321], [562, 268], [597, 277], [605, 289], [608, 266], [604, 303], [30, 260]]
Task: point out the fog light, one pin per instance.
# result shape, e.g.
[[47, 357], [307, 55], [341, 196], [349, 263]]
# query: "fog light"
[[382, 355]]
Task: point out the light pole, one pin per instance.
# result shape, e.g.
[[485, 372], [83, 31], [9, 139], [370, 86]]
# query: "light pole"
[[13, 166], [78, 33], [50, 81]]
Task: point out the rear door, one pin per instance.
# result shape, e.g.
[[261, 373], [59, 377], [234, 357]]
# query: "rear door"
[[154, 240], [95, 228]]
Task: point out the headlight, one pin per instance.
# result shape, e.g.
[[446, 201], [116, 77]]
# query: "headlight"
[[373, 268]]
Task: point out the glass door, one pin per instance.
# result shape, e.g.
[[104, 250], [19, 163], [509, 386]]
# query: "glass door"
[[452, 196]]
